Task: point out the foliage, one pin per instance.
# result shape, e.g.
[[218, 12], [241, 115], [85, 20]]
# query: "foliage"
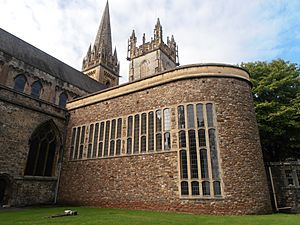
[[276, 93], [91, 216]]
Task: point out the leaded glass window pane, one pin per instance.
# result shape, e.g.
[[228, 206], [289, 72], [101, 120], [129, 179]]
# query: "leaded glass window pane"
[[89, 151], [158, 120], [129, 126], [182, 139], [195, 188], [82, 143], [167, 141], [205, 188], [100, 146], [112, 148], [95, 140], [72, 143], [204, 163], [209, 112], [129, 146], [201, 136], [106, 141], [119, 129], [183, 165], [91, 133], [190, 113], [167, 120], [193, 154], [200, 119], [136, 133], [181, 117], [158, 142], [77, 143], [101, 131], [143, 123], [213, 154], [150, 131], [143, 144], [184, 188], [118, 147], [217, 188], [113, 129]]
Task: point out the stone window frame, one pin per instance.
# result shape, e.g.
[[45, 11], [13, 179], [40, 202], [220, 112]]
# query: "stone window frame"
[[200, 180], [294, 170]]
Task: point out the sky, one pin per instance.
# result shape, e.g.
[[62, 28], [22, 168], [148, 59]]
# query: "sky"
[[206, 31]]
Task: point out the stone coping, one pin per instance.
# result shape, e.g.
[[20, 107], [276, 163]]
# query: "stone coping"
[[178, 73]]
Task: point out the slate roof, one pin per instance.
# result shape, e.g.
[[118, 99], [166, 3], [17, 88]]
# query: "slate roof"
[[35, 57]]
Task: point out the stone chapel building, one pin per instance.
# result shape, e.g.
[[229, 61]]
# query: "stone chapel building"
[[174, 138]]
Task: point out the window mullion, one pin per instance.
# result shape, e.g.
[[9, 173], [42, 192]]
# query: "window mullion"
[[46, 156], [37, 157]]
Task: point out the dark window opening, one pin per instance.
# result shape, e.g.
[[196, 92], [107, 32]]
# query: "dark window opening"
[[63, 98], [20, 82], [36, 89]]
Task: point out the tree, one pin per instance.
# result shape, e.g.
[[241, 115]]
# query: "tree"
[[276, 93]]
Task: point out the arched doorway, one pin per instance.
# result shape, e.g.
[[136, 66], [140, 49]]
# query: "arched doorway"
[[5, 189], [2, 190]]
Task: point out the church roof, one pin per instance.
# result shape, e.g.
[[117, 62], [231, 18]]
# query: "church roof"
[[35, 57]]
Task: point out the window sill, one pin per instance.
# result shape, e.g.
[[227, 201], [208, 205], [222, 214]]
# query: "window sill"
[[124, 155], [201, 198], [291, 188], [37, 178]]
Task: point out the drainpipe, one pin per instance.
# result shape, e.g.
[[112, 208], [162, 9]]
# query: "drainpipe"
[[62, 148], [273, 189]]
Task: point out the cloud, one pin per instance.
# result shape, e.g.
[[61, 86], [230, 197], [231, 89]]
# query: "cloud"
[[225, 31]]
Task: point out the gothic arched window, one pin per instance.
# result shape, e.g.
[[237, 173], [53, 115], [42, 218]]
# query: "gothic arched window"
[[36, 88], [20, 82], [63, 98], [42, 151]]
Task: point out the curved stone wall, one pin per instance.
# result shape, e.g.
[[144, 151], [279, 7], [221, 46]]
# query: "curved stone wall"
[[151, 180]]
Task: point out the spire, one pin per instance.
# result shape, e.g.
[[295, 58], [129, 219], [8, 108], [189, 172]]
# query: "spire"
[[103, 38]]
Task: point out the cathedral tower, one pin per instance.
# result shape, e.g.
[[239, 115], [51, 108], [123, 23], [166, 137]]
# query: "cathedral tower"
[[100, 63], [151, 57]]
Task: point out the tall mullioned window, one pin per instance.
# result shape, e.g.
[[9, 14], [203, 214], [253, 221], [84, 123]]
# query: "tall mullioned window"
[[149, 132], [198, 154], [97, 140]]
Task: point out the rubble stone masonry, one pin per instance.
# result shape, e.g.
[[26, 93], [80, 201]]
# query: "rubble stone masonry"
[[20, 116], [152, 180]]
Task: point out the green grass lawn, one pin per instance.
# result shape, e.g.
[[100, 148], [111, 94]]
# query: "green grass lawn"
[[89, 216]]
